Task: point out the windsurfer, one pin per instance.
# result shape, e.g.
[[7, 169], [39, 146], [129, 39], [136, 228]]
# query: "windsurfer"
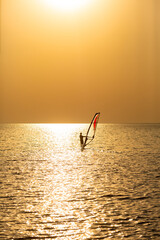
[[93, 123], [81, 138]]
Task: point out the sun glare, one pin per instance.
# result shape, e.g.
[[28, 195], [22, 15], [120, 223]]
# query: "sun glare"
[[67, 5]]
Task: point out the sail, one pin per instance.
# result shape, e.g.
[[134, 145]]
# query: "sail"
[[92, 129], [95, 122]]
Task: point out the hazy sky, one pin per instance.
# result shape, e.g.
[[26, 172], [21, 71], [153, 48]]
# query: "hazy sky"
[[63, 65]]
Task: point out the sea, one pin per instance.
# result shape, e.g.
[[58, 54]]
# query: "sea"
[[50, 189]]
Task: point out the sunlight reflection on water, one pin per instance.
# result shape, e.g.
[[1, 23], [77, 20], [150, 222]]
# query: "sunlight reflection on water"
[[50, 189]]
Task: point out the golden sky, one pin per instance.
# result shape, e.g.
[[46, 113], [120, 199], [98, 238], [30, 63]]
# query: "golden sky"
[[63, 63]]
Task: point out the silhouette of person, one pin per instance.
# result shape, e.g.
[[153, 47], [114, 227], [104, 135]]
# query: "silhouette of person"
[[81, 138]]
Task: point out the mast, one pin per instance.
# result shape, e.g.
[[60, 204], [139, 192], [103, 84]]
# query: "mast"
[[92, 122]]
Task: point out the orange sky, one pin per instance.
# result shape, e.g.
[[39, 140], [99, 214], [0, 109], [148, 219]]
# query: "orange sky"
[[63, 66]]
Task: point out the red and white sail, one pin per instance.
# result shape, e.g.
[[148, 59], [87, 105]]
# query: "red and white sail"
[[91, 130]]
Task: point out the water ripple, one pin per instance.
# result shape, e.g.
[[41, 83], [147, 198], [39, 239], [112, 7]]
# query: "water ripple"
[[52, 190]]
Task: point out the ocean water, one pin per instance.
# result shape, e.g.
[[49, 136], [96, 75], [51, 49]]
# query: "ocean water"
[[49, 189]]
